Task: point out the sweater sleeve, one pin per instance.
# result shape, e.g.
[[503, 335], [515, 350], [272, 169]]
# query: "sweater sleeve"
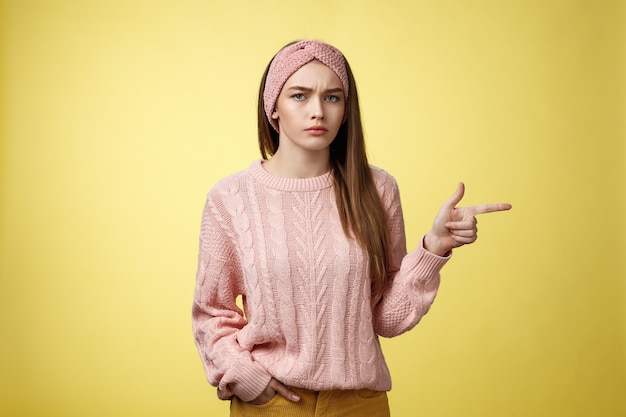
[[216, 318], [413, 278]]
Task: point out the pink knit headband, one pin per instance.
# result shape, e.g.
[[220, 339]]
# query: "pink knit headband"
[[290, 59]]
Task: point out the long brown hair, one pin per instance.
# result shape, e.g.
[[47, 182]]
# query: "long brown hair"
[[360, 208]]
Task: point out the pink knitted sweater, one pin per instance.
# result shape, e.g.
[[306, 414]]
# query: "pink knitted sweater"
[[308, 318]]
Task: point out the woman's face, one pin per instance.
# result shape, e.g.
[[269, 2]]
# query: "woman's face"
[[310, 108]]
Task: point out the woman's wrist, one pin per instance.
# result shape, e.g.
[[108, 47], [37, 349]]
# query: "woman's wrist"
[[433, 245]]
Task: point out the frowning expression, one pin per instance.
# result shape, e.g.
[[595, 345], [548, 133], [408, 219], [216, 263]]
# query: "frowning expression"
[[310, 108]]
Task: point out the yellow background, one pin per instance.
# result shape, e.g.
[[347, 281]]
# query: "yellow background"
[[118, 116]]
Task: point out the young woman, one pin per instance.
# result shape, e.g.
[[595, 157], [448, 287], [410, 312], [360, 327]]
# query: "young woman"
[[312, 238]]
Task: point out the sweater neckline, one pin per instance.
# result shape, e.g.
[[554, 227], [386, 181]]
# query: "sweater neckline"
[[289, 184]]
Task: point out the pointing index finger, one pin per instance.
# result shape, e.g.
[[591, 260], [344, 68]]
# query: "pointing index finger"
[[490, 208]]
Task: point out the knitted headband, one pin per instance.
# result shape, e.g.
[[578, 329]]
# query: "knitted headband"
[[290, 59]]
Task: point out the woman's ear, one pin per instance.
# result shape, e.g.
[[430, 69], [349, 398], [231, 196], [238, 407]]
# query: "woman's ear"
[[275, 115]]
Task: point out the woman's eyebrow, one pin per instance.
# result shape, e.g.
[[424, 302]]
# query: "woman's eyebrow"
[[307, 89], [299, 88]]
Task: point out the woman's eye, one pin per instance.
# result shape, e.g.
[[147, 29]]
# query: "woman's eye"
[[298, 96], [332, 99]]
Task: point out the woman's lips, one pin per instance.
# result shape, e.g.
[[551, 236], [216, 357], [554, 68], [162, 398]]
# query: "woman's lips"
[[317, 130]]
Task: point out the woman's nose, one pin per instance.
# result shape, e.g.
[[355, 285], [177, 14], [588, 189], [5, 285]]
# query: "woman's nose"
[[317, 109]]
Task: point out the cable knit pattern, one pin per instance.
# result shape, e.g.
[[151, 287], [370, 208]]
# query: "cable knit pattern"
[[308, 318]]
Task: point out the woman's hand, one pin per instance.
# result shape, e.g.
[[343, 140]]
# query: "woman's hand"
[[275, 388], [456, 226]]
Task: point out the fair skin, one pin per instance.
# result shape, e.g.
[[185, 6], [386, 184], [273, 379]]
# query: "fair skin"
[[310, 111], [456, 226]]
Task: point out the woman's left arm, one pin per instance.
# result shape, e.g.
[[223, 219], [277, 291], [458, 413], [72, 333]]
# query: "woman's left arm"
[[414, 278]]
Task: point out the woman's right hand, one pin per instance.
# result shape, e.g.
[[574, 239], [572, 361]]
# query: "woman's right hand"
[[274, 388]]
